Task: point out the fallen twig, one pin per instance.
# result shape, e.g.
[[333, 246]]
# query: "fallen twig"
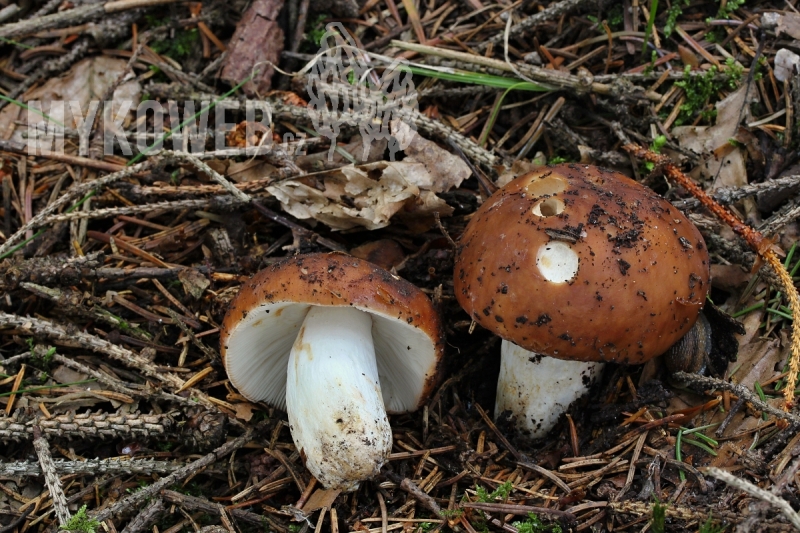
[[137, 498], [146, 517], [118, 467], [200, 504], [758, 492], [88, 426], [46, 328], [699, 382], [73, 16], [51, 476], [551, 12], [510, 508]]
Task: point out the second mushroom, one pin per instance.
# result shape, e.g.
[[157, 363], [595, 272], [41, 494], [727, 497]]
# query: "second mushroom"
[[575, 265], [336, 342]]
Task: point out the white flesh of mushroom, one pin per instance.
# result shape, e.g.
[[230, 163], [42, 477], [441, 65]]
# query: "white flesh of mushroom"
[[537, 389], [557, 262], [333, 397]]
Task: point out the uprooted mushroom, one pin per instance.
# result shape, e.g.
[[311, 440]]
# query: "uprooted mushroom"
[[336, 342]]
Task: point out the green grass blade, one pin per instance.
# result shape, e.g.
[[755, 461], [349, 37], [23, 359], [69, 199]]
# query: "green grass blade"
[[478, 78]]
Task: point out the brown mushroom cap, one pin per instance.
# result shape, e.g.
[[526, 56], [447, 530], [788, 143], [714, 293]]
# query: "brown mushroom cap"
[[407, 333], [642, 266]]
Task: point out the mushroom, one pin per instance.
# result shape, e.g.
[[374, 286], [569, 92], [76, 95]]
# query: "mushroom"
[[576, 265], [336, 342]]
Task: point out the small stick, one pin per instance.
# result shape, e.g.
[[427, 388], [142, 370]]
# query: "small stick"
[[486, 185], [417, 493], [146, 517], [518, 456], [704, 382], [442, 229], [209, 352], [50, 329], [510, 508], [384, 515], [51, 476], [754, 239], [13, 525], [117, 467], [731, 412], [205, 506]]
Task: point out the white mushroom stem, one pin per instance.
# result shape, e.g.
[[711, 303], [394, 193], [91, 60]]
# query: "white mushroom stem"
[[538, 389], [333, 398]]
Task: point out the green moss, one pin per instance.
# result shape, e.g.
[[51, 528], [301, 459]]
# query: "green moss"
[[534, 524], [658, 524], [81, 523], [615, 17], [179, 47], [700, 89], [730, 6], [500, 493], [672, 16], [315, 30]]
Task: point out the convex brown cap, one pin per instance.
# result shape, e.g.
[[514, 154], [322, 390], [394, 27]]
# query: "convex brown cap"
[[265, 317], [579, 262]]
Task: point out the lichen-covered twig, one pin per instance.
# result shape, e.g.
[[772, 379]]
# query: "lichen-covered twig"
[[758, 492], [698, 382], [552, 12], [146, 517], [677, 512], [88, 426], [54, 270], [51, 476], [135, 500], [729, 195], [757, 241], [205, 506], [118, 467], [37, 326], [177, 205], [72, 302], [284, 111]]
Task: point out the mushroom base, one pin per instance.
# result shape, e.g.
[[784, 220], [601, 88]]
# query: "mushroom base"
[[333, 398], [537, 389]]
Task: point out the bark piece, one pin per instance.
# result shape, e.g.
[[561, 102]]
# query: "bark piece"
[[257, 44]]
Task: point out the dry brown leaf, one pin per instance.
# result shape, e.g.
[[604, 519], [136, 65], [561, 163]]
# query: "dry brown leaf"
[[786, 22], [385, 253], [194, 283], [320, 498], [86, 81], [713, 142], [760, 361], [365, 195], [249, 170], [244, 411], [445, 170], [63, 374]]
